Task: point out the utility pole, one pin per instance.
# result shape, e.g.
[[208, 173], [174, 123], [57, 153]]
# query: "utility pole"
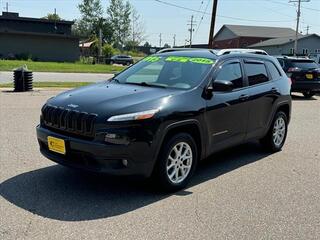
[[55, 19], [100, 42], [308, 27], [191, 29], [7, 7], [298, 21], [213, 21], [160, 40], [100, 39], [174, 40]]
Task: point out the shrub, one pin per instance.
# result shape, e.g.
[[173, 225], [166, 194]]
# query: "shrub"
[[108, 50]]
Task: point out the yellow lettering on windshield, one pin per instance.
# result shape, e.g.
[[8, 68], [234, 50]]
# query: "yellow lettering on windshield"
[[180, 59], [152, 59], [202, 60], [177, 59]]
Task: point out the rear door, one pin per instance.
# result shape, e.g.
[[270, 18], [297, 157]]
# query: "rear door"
[[263, 92], [227, 112]]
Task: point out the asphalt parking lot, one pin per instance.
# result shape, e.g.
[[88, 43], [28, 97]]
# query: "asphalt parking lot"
[[242, 193]]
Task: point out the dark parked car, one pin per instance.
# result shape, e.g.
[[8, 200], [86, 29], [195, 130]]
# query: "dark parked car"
[[304, 74], [121, 59], [163, 115]]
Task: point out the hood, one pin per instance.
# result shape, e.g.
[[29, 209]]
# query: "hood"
[[112, 98]]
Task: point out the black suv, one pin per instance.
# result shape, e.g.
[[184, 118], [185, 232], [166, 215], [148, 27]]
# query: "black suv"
[[163, 115], [304, 74], [121, 59]]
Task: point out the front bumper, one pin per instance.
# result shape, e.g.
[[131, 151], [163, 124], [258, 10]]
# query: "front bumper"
[[96, 156], [306, 86]]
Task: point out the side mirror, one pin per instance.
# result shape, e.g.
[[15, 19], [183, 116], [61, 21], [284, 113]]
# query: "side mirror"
[[221, 86]]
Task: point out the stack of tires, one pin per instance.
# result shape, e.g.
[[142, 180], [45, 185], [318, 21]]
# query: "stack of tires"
[[23, 79]]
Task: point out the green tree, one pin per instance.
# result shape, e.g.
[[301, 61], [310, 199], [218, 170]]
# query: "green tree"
[[147, 44], [119, 17], [137, 28], [166, 45], [91, 14], [52, 17]]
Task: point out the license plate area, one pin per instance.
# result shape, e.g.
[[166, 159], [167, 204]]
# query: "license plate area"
[[56, 145]]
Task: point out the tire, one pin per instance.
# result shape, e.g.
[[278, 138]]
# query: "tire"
[[162, 175], [308, 94], [279, 127]]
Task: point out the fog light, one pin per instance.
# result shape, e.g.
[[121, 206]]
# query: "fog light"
[[125, 162]]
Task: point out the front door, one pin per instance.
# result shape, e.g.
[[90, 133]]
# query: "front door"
[[227, 112]]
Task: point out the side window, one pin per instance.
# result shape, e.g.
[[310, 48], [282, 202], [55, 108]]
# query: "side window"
[[231, 72], [281, 62], [275, 74], [256, 72]]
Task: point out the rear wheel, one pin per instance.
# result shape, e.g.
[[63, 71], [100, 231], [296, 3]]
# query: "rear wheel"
[[177, 162], [308, 94], [276, 136]]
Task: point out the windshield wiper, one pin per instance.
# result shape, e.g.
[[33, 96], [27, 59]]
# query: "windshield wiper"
[[145, 84]]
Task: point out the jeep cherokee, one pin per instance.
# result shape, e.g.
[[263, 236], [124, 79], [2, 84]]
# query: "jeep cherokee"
[[163, 115]]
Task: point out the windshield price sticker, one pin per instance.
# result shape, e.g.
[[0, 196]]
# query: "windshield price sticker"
[[179, 59], [152, 59], [202, 60]]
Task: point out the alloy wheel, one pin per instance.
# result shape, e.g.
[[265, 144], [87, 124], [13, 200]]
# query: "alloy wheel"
[[279, 131], [179, 162]]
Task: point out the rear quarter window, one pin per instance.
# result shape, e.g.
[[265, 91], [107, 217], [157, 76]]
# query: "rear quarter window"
[[282, 64], [274, 71]]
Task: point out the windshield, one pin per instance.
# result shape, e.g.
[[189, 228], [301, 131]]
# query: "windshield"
[[305, 64], [167, 71]]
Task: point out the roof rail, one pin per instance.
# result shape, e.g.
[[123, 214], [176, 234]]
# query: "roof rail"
[[177, 50], [166, 50], [241, 50]]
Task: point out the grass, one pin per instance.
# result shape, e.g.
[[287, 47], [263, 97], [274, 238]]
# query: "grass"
[[51, 84], [9, 65]]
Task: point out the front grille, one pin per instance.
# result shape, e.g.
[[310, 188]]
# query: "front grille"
[[70, 121]]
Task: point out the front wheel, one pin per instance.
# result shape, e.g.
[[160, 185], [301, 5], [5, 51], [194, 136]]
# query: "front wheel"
[[308, 94], [277, 134], [177, 162]]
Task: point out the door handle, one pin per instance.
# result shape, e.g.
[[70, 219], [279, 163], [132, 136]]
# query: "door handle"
[[243, 97], [274, 90]]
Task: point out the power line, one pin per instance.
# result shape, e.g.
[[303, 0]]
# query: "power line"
[[288, 4], [199, 9], [221, 16], [202, 17]]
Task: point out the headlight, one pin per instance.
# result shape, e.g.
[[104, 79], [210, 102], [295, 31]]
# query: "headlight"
[[134, 116]]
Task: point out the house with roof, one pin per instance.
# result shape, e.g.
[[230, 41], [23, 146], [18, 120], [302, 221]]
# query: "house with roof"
[[39, 39], [241, 36], [307, 44]]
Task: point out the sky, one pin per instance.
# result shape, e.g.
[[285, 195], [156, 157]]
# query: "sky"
[[170, 20]]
